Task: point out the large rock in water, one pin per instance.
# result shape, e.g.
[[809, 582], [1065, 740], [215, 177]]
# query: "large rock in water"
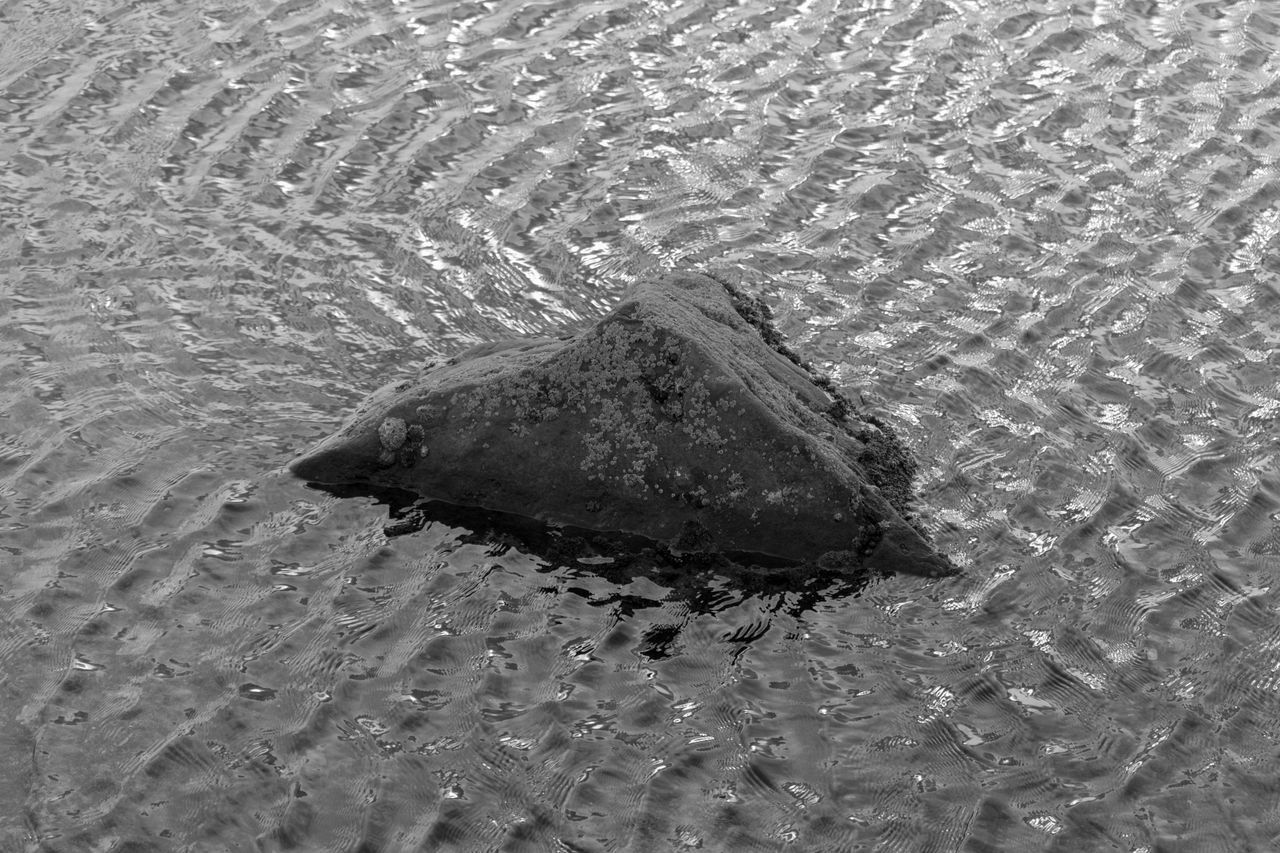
[[680, 416]]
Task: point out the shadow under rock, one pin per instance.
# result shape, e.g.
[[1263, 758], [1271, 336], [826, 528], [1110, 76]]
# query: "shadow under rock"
[[700, 578]]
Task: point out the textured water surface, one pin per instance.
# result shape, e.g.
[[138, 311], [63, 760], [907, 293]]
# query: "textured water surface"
[[1038, 236]]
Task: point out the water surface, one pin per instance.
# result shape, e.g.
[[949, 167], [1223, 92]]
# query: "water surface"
[[1038, 236]]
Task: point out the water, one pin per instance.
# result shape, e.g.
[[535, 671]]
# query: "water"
[[1038, 235]]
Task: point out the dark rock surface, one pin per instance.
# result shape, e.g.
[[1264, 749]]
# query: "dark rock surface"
[[681, 417]]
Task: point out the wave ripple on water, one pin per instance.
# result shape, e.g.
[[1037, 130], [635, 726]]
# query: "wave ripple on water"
[[1039, 236]]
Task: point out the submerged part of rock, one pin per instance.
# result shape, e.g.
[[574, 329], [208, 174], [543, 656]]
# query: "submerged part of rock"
[[680, 417]]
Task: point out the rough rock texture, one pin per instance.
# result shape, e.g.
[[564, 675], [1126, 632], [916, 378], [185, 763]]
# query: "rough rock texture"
[[680, 416]]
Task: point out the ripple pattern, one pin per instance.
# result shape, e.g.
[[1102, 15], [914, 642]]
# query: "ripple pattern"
[[1037, 237]]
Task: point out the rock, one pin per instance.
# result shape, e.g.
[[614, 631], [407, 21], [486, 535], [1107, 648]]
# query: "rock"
[[681, 417]]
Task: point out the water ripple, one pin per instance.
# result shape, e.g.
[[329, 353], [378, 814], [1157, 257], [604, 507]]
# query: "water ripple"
[[1036, 237]]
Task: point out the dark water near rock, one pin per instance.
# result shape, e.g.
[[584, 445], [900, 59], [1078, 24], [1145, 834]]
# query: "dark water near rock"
[[1040, 236]]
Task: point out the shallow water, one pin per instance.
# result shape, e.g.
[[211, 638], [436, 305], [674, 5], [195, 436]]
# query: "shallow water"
[[1038, 236]]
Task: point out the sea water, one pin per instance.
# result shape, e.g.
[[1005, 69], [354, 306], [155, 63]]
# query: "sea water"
[[1036, 236]]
